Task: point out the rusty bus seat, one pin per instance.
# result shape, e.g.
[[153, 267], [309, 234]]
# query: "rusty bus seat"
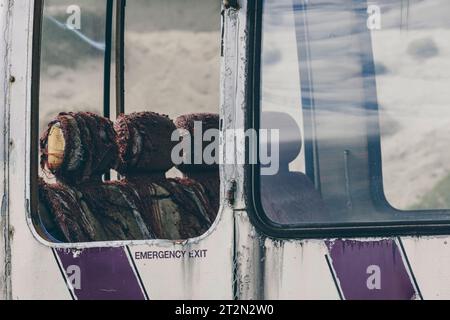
[[78, 149], [175, 209], [288, 197], [207, 175]]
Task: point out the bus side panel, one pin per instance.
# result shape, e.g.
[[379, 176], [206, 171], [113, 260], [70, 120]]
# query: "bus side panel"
[[200, 268], [4, 96], [429, 258], [197, 270], [34, 271], [392, 268], [297, 270]]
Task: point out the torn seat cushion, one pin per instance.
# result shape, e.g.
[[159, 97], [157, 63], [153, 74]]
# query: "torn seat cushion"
[[91, 212], [116, 207], [196, 125], [77, 147], [64, 216], [176, 209], [144, 141]]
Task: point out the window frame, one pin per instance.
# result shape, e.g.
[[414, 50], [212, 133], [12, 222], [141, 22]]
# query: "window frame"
[[320, 230], [117, 42]]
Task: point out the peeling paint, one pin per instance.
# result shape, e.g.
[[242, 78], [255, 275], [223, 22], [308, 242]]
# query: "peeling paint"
[[249, 265], [6, 8]]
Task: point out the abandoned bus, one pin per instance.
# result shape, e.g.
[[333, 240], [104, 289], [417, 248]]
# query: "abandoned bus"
[[207, 149]]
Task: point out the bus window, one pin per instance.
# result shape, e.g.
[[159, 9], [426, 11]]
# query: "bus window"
[[356, 91], [114, 176]]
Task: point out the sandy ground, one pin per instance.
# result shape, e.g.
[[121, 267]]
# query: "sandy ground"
[[173, 72], [170, 72], [172, 59]]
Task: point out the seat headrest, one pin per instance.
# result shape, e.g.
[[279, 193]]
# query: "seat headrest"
[[187, 122], [290, 143], [77, 147], [144, 141]]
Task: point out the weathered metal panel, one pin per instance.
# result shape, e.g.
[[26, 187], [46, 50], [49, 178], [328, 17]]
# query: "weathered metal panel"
[[200, 268], [429, 259], [280, 269], [203, 272], [297, 270], [249, 260], [33, 268], [5, 30], [371, 270]]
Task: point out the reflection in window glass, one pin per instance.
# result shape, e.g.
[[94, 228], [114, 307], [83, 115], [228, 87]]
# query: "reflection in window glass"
[[172, 56], [412, 56], [280, 77], [338, 76], [72, 60], [281, 109]]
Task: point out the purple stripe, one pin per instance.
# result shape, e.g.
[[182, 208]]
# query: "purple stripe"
[[105, 273], [370, 270]]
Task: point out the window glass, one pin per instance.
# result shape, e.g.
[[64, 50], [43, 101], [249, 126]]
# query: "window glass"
[[132, 176], [280, 81], [357, 91], [72, 57], [412, 57]]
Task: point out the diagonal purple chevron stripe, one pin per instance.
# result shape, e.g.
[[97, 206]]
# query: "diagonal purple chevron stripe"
[[370, 270], [105, 274]]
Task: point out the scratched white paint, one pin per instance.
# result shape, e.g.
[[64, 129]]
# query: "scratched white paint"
[[249, 260], [35, 274], [234, 93], [430, 263], [297, 270], [264, 268], [192, 278], [4, 75]]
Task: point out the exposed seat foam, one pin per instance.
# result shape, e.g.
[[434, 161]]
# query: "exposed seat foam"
[[79, 147]]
